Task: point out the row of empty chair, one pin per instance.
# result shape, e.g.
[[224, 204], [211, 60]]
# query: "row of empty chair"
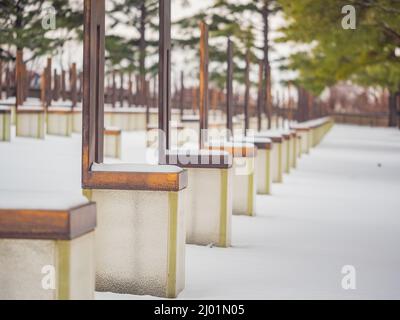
[[145, 220]]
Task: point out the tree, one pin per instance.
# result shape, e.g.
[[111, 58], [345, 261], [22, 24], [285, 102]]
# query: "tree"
[[238, 20], [365, 55], [137, 17], [22, 29]]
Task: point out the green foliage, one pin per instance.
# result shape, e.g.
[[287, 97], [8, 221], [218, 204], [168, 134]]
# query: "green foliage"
[[331, 54], [226, 18], [130, 51], [21, 27]]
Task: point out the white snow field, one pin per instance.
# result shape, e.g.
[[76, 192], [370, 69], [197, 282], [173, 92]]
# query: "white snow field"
[[340, 207]]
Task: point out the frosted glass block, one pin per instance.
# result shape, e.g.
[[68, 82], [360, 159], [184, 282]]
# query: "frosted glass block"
[[112, 145], [13, 115], [77, 121], [108, 119], [116, 121], [264, 171], [129, 120], [59, 124], [140, 121], [125, 119], [30, 125], [134, 252], [293, 155], [311, 138], [299, 145], [276, 162], [153, 119], [5, 126], [175, 116], [244, 186], [288, 155], [21, 266], [209, 206], [304, 141], [285, 155], [82, 267], [24, 267]]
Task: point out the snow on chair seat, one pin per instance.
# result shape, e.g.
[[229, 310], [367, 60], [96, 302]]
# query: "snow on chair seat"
[[59, 121], [112, 142], [209, 195], [46, 246], [30, 122], [5, 123]]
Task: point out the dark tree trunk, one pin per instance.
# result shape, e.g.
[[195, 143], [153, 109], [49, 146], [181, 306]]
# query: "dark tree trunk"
[[302, 108], [56, 92], [130, 88], [19, 79], [247, 93], [267, 72], [63, 93], [260, 97], [1, 79], [8, 83], [73, 87], [121, 90], [114, 89], [181, 97]]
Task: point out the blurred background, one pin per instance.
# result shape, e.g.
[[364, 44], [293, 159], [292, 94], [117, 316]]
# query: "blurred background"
[[305, 58]]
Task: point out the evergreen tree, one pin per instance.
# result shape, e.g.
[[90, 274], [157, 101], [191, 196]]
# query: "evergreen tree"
[[238, 20], [138, 18], [364, 55], [21, 24]]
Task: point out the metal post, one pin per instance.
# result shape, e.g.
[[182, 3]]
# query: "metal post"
[[229, 88], [18, 79], [247, 93], [49, 94], [260, 97], [73, 80], [203, 83], [182, 95], [164, 74], [93, 85]]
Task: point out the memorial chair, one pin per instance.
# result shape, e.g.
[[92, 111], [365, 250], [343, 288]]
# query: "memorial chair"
[[46, 246], [140, 239]]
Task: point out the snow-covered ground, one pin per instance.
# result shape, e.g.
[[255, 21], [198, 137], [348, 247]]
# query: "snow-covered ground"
[[341, 206]]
